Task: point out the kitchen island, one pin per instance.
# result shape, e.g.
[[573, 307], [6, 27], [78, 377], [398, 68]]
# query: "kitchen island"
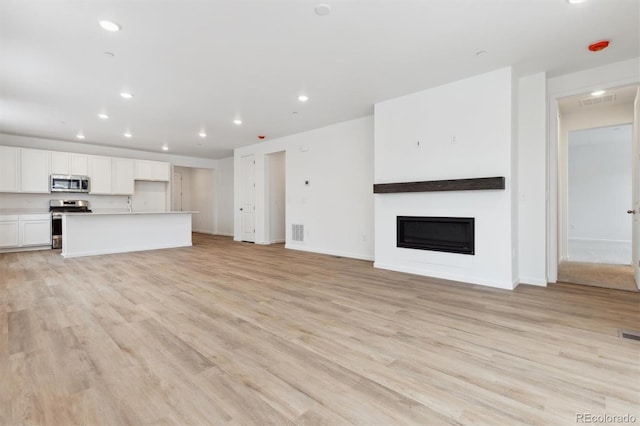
[[89, 234]]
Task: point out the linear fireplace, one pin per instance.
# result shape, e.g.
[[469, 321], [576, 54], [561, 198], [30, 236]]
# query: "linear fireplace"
[[448, 234]]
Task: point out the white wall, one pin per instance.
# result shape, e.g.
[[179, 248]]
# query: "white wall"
[[277, 197], [40, 202], [612, 75], [149, 196], [464, 130], [336, 208], [532, 178], [600, 186], [198, 194], [224, 197]]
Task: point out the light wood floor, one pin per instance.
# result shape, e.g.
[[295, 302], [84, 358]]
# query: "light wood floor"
[[234, 333], [604, 275]]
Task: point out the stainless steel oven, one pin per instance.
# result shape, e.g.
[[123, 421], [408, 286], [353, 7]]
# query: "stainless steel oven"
[[57, 208]]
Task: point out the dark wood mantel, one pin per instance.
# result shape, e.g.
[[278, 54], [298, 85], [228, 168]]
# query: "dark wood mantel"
[[473, 184]]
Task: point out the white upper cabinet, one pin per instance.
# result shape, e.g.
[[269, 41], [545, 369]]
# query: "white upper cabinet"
[[152, 170], [35, 169], [60, 163], [79, 164], [29, 170], [9, 169], [123, 171], [68, 163], [100, 174]]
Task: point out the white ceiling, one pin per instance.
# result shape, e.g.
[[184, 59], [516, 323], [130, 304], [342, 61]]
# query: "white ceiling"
[[196, 65]]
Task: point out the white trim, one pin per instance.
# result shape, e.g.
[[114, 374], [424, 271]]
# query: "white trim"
[[465, 279], [223, 234], [533, 281], [329, 252], [123, 250]]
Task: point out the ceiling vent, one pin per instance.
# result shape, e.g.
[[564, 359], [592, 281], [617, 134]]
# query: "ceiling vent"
[[607, 99]]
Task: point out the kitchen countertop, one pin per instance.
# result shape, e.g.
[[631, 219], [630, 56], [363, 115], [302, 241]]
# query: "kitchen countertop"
[[22, 211], [112, 213]]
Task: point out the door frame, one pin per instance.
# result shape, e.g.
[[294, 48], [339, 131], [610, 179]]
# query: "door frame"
[[553, 168]]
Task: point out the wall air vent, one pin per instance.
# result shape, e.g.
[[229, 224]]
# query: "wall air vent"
[[297, 233], [589, 102]]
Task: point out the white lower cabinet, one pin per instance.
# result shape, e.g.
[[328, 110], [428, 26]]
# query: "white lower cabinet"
[[9, 231], [35, 230], [27, 230]]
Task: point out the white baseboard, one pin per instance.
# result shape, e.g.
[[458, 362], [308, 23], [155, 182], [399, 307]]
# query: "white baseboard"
[[19, 249], [223, 234], [542, 282], [507, 285], [329, 252]]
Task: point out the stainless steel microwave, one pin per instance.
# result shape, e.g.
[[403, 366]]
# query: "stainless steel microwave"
[[68, 183]]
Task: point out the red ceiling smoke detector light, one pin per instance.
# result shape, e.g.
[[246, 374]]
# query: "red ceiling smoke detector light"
[[599, 45], [261, 136]]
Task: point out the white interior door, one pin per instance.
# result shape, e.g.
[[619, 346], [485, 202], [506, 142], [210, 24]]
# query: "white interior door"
[[247, 207], [176, 191], [635, 188]]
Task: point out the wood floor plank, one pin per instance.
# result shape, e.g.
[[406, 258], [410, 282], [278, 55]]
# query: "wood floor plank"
[[234, 333]]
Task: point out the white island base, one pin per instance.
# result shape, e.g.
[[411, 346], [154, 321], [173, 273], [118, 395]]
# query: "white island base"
[[89, 234]]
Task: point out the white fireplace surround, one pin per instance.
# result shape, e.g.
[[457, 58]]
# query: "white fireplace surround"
[[462, 129]]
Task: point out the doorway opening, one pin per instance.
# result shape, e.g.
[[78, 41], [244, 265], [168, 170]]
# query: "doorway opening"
[[597, 168], [192, 189], [276, 197]]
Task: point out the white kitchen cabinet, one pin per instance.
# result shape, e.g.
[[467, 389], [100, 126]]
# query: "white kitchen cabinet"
[[69, 163], [35, 230], [123, 172], [100, 173], [9, 231], [9, 169], [60, 163], [152, 170], [35, 166], [79, 164]]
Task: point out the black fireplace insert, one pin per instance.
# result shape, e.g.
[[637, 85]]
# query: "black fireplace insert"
[[448, 234]]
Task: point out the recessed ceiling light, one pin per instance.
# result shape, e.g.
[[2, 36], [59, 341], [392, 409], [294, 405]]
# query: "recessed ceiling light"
[[127, 134], [202, 134], [303, 98], [165, 148], [597, 93], [103, 115], [574, 1], [322, 9], [126, 95], [80, 136], [237, 122], [109, 25], [110, 54]]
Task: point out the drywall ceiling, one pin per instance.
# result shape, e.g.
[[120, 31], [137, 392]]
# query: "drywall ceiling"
[[614, 96], [198, 65]]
